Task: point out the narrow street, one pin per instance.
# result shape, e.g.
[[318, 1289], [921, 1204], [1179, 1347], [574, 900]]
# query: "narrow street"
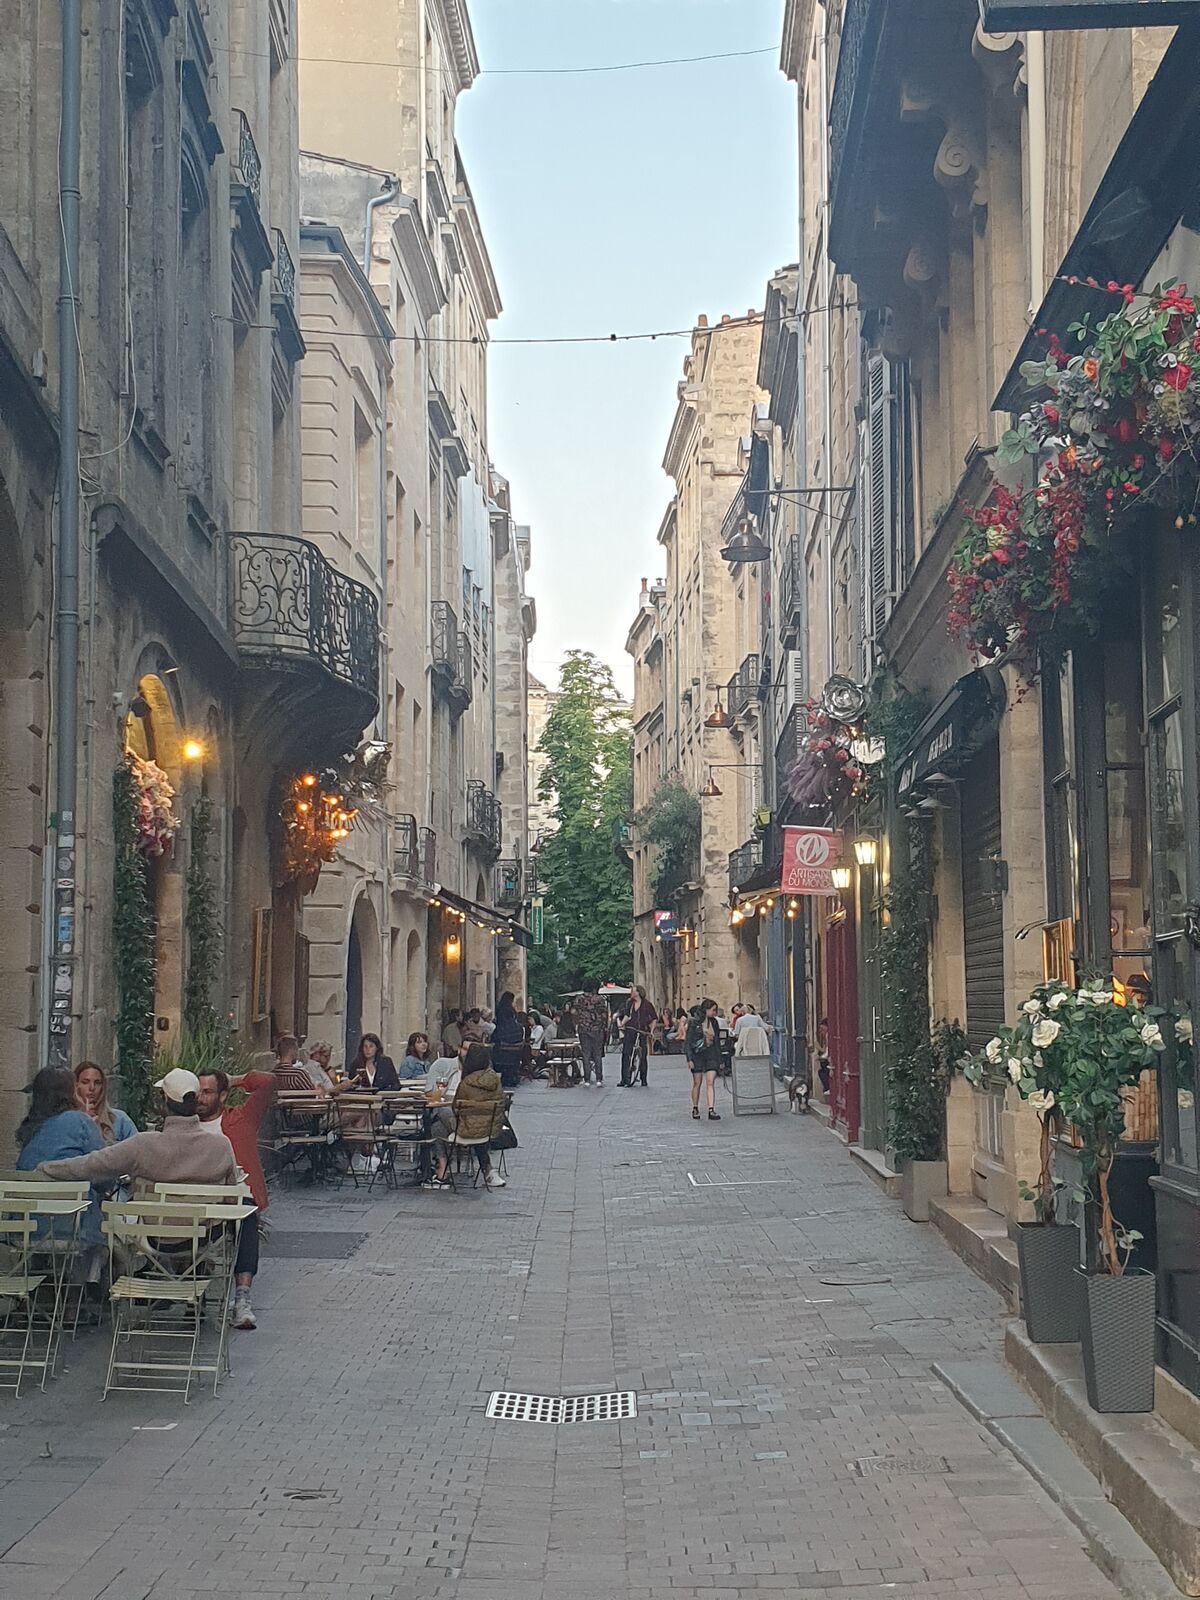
[[775, 1314]]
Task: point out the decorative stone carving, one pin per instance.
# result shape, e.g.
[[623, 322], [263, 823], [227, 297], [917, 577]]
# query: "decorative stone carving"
[[921, 265], [1000, 57], [958, 168]]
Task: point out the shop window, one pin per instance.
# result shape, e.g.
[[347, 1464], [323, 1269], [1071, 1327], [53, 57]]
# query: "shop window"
[[1125, 795]]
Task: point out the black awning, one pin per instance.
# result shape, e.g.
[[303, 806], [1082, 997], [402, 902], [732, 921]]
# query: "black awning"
[[952, 733], [488, 915]]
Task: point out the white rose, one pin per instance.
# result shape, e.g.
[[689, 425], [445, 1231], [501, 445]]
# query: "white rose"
[[1045, 1032], [1042, 1100], [1016, 1069], [993, 1051], [1032, 1008], [1059, 999], [1183, 1029], [1152, 1035]]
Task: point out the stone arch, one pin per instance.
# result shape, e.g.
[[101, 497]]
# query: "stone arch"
[[414, 984], [364, 974]]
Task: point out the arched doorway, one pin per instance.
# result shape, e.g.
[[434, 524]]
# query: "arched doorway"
[[152, 735], [364, 985], [414, 984]]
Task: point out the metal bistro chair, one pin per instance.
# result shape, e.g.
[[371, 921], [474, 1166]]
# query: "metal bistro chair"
[[307, 1130], [362, 1134], [472, 1146], [39, 1226], [226, 1207], [159, 1308], [402, 1117]]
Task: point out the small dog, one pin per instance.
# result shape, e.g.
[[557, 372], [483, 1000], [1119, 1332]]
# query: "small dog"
[[798, 1094]]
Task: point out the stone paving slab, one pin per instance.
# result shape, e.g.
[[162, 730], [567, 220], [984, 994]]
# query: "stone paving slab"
[[774, 1312]]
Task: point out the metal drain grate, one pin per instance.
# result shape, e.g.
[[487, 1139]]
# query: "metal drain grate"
[[317, 1244], [915, 1465], [555, 1409]]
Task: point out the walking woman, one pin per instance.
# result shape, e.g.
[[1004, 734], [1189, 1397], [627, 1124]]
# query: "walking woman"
[[508, 1041], [640, 1021], [704, 1057]]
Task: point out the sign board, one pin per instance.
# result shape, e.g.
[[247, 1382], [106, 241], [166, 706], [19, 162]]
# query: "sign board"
[[809, 857], [665, 925], [1046, 16], [537, 918]]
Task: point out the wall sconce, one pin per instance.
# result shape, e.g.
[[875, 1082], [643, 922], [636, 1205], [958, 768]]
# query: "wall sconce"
[[452, 947], [718, 717], [710, 790], [841, 877], [192, 750], [866, 852]]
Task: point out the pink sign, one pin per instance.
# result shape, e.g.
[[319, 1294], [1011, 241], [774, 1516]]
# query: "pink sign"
[[809, 857]]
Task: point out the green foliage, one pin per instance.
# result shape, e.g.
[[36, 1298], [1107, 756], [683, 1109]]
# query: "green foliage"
[[205, 1049], [587, 882], [892, 716], [671, 822], [916, 1072], [133, 953], [202, 921]]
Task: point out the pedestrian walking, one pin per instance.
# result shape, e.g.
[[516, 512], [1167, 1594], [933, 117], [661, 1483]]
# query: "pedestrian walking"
[[591, 1025], [508, 1041], [704, 1057], [242, 1126], [640, 1019]]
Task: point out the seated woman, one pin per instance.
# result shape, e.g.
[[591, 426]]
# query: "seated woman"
[[55, 1129], [371, 1070], [91, 1087], [416, 1061], [477, 1113]]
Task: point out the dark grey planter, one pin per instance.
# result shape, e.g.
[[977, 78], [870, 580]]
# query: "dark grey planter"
[[921, 1182], [1118, 1340], [1050, 1287]]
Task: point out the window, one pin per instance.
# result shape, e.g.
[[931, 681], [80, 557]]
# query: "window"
[[195, 353], [887, 509], [366, 483], [144, 229]]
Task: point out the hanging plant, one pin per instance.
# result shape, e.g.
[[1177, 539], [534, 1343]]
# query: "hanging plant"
[[1119, 426], [202, 921], [133, 948], [154, 817], [826, 773]]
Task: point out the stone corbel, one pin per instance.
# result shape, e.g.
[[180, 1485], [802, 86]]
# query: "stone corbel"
[[917, 101], [922, 267], [1000, 57], [958, 169]]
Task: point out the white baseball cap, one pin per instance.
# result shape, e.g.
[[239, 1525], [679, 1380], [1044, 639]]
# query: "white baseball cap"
[[178, 1084]]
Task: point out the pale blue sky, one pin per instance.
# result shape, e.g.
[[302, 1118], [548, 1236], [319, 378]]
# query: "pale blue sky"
[[622, 202]]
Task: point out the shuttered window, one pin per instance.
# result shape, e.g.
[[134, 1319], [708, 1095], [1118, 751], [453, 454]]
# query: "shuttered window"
[[887, 493], [983, 907]]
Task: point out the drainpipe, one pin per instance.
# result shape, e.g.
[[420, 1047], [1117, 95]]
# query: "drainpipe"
[[1035, 72], [58, 975], [827, 342], [391, 188]]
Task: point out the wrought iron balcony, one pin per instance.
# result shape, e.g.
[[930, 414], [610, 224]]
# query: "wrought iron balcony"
[[292, 610], [427, 851], [283, 301], [787, 746], [483, 814], [247, 168], [793, 583], [283, 277], [743, 686], [742, 863], [406, 855], [451, 653], [508, 883]]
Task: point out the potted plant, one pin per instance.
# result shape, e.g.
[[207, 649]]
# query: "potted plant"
[[917, 1086], [1107, 1047], [1033, 1056]]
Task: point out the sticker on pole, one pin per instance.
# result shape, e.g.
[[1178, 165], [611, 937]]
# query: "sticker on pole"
[[809, 857]]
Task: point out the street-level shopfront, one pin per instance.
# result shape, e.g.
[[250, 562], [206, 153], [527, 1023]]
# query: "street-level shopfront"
[[1121, 714]]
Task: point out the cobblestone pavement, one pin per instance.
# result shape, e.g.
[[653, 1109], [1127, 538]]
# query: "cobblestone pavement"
[[774, 1312]]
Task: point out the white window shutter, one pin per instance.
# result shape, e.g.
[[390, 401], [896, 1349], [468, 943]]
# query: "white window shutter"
[[878, 507]]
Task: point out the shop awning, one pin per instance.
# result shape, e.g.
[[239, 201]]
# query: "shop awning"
[[487, 915], [952, 733]]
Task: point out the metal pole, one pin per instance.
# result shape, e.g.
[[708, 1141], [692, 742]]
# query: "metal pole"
[[64, 961]]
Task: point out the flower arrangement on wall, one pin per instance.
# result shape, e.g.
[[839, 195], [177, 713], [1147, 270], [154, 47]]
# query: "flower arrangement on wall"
[[315, 816], [828, 771], [1113, 426], [154, 811]]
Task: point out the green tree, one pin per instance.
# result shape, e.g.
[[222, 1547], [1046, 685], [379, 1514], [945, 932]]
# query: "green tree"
[[583, 865], [671, 823]]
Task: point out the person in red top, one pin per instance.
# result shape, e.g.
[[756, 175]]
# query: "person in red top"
[[240, 1125]]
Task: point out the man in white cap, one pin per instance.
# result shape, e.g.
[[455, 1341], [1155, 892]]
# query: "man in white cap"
[[184, 1152]]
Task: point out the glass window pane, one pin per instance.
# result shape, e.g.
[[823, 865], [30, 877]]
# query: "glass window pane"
[[1123, 702], [1178, 1078], [1128, 865], [1171, 873], [1167, 609]]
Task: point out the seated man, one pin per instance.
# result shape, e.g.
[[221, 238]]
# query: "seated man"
[[184, 1151], [289, 1072]]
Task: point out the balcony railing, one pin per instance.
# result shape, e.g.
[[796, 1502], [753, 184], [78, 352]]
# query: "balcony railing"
[[743, 686], [283, 275], [445, 638], [292, 609], [483, 814], [793, 582], [787, 746], [248, 166], [742, 863], [508, 883], [427, 853], [407, 852]]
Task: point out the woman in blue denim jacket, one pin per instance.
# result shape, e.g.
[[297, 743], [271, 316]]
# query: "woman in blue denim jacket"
[[55, 1128]]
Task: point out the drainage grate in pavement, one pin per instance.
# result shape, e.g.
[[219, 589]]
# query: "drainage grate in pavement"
[[317, 1245], [308, 1494], [912, 1466], [555, 1409]]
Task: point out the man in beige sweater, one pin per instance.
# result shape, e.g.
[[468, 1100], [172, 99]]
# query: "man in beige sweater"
[[184, 1152]]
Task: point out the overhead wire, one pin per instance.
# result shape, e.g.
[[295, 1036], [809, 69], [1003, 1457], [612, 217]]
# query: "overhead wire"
[[398, 62]]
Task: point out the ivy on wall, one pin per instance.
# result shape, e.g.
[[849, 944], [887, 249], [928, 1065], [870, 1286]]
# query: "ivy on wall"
[[202, 922], [670, 821], [133, 951]]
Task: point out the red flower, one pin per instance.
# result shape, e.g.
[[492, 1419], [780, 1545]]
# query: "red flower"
[[1126, 432], [1130, 488], [1166, 449], [1176, 377], [1051, 414], [1178, 299], [1001, 555]]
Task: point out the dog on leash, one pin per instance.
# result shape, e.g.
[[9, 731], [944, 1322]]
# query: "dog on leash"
[[798, 1094]]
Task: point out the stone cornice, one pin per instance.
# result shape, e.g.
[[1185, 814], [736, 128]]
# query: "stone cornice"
[[797, 26], [417, 258], [462, 42]]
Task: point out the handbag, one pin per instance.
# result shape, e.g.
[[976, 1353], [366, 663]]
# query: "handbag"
[[506, 1138]]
